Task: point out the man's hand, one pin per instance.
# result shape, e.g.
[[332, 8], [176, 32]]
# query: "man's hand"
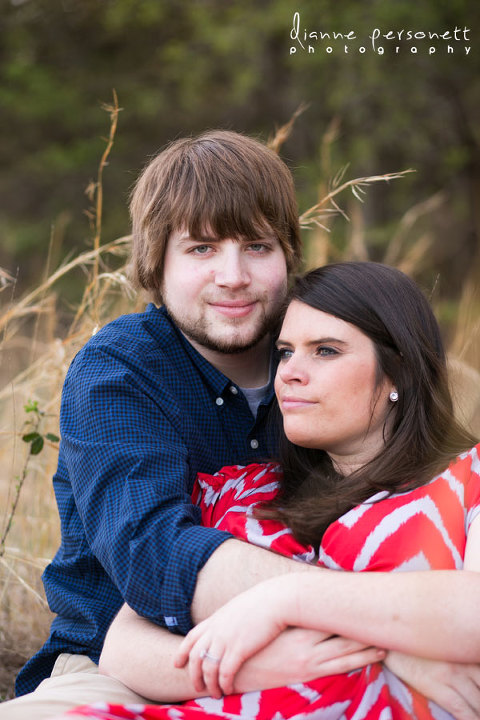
[[453, 686], [301, 655], [296, 655]]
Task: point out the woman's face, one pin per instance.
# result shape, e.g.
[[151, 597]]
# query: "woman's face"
[[327, 387]]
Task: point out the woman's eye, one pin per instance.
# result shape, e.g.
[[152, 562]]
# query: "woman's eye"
[[326, 351], [285, 353]]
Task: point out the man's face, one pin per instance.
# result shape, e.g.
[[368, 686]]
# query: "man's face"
[[225, 295]]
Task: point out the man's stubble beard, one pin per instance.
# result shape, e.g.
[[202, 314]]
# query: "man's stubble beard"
[[199, 332]]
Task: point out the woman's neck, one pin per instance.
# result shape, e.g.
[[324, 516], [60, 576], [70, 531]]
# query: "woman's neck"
[[346, 464]]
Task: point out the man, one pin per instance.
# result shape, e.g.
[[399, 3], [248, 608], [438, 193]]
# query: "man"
[[156, 397]]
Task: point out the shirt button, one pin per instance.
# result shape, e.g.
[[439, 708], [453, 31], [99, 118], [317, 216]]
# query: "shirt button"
[[254, 444], [233, 390], [219, 401]]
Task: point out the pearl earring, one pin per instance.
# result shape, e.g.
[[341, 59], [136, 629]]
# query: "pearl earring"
[[393, 396]]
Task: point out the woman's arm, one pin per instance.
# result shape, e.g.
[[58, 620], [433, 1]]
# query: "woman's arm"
[[429, 614], [453, 686], [140, 655]]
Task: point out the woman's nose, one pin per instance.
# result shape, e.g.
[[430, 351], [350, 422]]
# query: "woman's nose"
[[292, 370]]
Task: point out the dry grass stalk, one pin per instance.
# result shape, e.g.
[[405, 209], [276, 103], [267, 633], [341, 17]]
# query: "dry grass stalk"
[[415, 257], [5, 279], [31, 535], [357, 247], [320, 211], [465, 342], [284, 132], [409, 219], [30, 305], [95, 190]]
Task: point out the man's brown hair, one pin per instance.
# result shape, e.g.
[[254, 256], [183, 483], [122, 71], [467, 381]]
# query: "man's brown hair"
[[221, 181]]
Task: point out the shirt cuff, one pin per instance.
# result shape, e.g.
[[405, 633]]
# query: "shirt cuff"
[[187, 557]]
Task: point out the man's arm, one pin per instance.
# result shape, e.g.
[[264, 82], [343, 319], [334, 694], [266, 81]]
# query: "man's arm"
[[125, 469], [234, 567], [140, 655]]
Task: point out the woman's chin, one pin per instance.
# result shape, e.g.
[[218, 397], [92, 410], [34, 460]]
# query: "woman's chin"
[[302, 439]]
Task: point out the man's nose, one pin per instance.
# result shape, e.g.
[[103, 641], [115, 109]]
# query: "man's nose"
[[232, 270]]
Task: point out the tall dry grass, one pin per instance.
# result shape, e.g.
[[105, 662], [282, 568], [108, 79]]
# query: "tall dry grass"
[[36, 350]]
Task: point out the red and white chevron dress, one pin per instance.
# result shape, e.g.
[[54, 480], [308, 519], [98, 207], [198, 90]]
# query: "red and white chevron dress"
[[422, 529]]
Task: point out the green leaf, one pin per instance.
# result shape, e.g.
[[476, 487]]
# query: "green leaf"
[[52, 437], [37, 445], [30, 437], [31, 406]]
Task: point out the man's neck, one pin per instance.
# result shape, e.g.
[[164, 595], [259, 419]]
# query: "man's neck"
[[248, 369]]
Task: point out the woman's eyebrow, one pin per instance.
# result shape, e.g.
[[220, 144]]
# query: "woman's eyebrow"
[[279, 341], [319, 341]]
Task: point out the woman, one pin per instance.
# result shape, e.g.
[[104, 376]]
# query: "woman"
[[371, 482]]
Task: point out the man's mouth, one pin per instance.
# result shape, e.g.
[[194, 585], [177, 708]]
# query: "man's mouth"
[[234, 308]]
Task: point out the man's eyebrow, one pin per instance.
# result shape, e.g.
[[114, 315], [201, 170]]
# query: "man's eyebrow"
[[199, 239]]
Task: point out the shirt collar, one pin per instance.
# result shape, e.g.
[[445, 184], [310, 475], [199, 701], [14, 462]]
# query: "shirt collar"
[[213, 377]]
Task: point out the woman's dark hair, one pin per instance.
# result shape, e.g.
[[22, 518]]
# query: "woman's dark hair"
[[391, 310]]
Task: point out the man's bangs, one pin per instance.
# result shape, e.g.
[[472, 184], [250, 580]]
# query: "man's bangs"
[[222, 218]]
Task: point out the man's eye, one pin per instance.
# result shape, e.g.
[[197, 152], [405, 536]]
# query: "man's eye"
[[200, 249], [258, 247]]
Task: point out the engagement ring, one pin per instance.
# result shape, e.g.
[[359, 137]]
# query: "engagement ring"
[[205, 655]]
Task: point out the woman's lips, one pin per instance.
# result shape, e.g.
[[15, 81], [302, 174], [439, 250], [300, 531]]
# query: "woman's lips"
[[291, 403]]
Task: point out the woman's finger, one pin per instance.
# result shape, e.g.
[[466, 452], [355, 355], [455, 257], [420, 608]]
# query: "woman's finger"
[[211, 660], [229, 667], [185, 647], [195, 664]]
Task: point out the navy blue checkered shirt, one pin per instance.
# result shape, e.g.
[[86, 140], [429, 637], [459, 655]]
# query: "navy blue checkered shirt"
[[142, 412]]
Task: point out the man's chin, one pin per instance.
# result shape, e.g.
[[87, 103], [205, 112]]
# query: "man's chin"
[[226, 345], [229, 339]]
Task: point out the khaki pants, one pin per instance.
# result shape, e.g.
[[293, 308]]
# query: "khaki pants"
[[75, 680]]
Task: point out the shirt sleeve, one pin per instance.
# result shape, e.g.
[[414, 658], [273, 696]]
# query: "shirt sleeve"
[[472, 491], [129, 472]]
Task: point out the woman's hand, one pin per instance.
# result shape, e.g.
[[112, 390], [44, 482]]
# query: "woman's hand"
[[455, 687], [218, 646]]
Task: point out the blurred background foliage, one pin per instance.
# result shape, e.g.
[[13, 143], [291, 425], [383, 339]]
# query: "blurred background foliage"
[[181, 67]]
